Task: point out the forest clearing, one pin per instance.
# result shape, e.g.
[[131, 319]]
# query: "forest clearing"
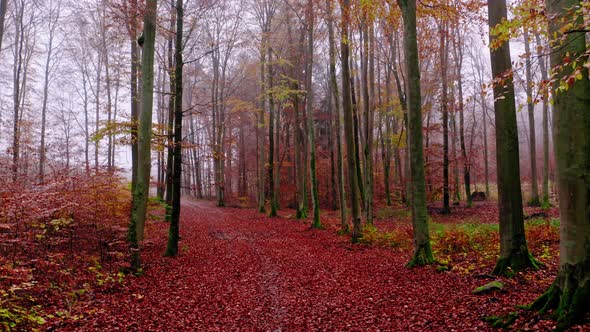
[[294, 165]]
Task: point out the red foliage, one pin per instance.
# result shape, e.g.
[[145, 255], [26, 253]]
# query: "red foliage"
[[61, 239], [240, 270]]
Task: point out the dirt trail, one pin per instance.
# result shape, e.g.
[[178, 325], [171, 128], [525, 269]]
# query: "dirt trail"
[[239, 270]]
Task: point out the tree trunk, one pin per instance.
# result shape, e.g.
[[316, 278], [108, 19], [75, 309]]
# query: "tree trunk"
[[344, 227], [173, 234], [141, 192], [348, 123], [3, 5], [422, 249], [543, 67], [171, 116], [531, 112], [134, 93], [272, 176], [53, 18], [445, 116], [514, 254], [315, 202], [569, 294], [458, 52]]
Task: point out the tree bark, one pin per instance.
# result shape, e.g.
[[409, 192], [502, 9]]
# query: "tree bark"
[[531, 113], [514, 254], [141, 193], [569, 294], [422, 249], [315, 202], [543, 67], [445, 115], [348, 123], [173, 234]]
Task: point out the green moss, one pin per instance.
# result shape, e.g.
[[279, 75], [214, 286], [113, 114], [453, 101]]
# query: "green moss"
[[422, 256], [490, 286], [516, 262], [502, 322]]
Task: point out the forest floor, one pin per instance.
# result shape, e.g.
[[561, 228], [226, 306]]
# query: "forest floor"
[[240, 270]]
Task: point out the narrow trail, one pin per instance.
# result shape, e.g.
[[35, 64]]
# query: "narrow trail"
[[239, 270]]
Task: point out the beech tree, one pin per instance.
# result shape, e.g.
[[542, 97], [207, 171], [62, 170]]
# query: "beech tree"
[[514, 254], [422, 249], [173, 235], [141, 192], [569, 296]]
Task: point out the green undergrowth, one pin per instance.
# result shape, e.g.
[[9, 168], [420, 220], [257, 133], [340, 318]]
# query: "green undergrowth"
[[373, 236], [18, 312], [391, 212], [468, 246]]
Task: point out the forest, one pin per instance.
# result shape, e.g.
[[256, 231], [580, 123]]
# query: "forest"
[[297, 165]]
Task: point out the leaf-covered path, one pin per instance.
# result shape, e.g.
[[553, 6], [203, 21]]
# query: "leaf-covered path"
[[240, 270]]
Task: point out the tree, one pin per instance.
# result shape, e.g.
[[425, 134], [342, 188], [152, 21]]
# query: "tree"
[[531, 112], [336, 97], [141, 192], [422, 249], [348, 123], [315, 202], [569, 295], [514, 254], [444, 51], [173, 234], [545, 91], [458, 55], [3, 6], [50, 66]]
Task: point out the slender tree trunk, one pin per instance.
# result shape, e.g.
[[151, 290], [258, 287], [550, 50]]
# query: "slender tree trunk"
[[445, 115], [458, 52], [543, 67], [272, 176], [261, 145], [422, 249], [386, 137], [531, 112], [173, 234], [568, 296], [17, 94], [3, 5], [347, 107], [514, 254], [344, 226], [171, 116], [485, 146], [310, 125], [369, 105], [53, 19], [134, 93], [141, 192]]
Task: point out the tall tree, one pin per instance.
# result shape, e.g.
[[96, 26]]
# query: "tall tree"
[[344, 228], [545, 91], [531, 112], [422, 249], [348, 123], [141, 192], [458, 55], [368, 85], [132, 27], [514, 254], [173, 234], [50, 66], [569, 293], [444, 51], [315, 201], [3, 7]]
